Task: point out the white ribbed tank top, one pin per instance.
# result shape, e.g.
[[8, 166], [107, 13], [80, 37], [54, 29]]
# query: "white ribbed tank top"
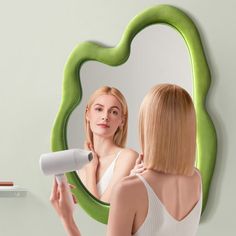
[[106, 178], [159, 222]]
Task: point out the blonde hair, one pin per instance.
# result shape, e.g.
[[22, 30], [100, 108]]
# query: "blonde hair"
[[167, 130], [120, 135]]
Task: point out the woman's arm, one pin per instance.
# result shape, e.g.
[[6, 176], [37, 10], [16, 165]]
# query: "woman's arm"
[[62, 201], [88, 174], [122, 211], [71, 228]]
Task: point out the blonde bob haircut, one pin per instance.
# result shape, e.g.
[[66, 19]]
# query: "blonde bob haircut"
[[120, 135], [167, 130]]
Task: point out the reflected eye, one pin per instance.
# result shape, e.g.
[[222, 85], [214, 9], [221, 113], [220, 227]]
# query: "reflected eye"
[[98, 109], [114, 112]]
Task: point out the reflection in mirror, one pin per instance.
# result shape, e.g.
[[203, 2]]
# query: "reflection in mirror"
[[158, 55], [105, 135]]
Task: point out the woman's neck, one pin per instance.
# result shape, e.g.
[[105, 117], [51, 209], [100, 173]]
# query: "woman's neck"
[[104, 146]]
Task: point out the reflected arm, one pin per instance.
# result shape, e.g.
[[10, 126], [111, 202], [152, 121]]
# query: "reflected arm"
[[91, 173], [88, 178], [91, 181]]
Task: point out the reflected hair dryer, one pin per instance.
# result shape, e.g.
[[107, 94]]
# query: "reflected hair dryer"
[[58, 163]]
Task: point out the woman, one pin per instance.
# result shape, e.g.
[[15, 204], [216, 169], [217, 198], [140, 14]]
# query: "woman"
[[169, 189], [106, 124]]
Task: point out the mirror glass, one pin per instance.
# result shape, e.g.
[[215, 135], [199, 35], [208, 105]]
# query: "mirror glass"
[[158, 55]]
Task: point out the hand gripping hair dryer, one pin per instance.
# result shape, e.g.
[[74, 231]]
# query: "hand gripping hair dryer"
[[58, 163]]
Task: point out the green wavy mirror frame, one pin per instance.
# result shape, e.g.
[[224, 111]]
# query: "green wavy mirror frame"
[[114, 56]]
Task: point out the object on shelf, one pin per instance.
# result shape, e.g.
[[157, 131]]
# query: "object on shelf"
[[6, 183]]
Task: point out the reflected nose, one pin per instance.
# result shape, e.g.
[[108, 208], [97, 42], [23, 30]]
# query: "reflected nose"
[[105, 116]]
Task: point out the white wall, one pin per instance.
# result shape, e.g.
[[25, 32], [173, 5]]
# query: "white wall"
[[35, 40]]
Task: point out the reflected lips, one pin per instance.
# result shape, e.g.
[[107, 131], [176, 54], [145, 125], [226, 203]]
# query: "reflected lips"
[[103, 125]]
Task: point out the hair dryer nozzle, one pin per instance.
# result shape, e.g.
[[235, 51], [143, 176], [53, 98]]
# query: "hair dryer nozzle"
[[56, 163]]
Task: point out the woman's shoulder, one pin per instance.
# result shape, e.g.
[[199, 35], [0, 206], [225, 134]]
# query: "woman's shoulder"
[[127, 158], [125, 192], [128, 152], [129, 186]]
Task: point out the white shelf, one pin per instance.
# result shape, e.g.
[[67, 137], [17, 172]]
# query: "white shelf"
[[12, 191]]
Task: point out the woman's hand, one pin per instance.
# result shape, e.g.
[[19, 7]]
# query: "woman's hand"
[[139, 166], [93, 164], [62, 199]]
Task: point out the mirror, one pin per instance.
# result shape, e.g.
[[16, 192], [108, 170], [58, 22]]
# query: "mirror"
[[158, 55], [149, 63], [117, 56]]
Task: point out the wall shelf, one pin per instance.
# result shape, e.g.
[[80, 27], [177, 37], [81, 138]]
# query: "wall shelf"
[[12, 191]]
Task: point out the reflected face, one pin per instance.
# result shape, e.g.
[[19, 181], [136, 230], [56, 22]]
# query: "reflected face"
[[105, 116]]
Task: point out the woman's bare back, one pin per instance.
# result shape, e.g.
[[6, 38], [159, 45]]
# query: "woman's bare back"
[[179, 194]]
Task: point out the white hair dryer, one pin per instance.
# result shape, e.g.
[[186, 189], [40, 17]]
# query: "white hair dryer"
[[58, 163]]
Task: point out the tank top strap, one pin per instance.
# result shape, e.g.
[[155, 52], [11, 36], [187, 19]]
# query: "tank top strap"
[[112, 165], [153, 200], [117, 155], [201, 192], [143, 180], [106, 178], [150, 191], [150, 224]]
